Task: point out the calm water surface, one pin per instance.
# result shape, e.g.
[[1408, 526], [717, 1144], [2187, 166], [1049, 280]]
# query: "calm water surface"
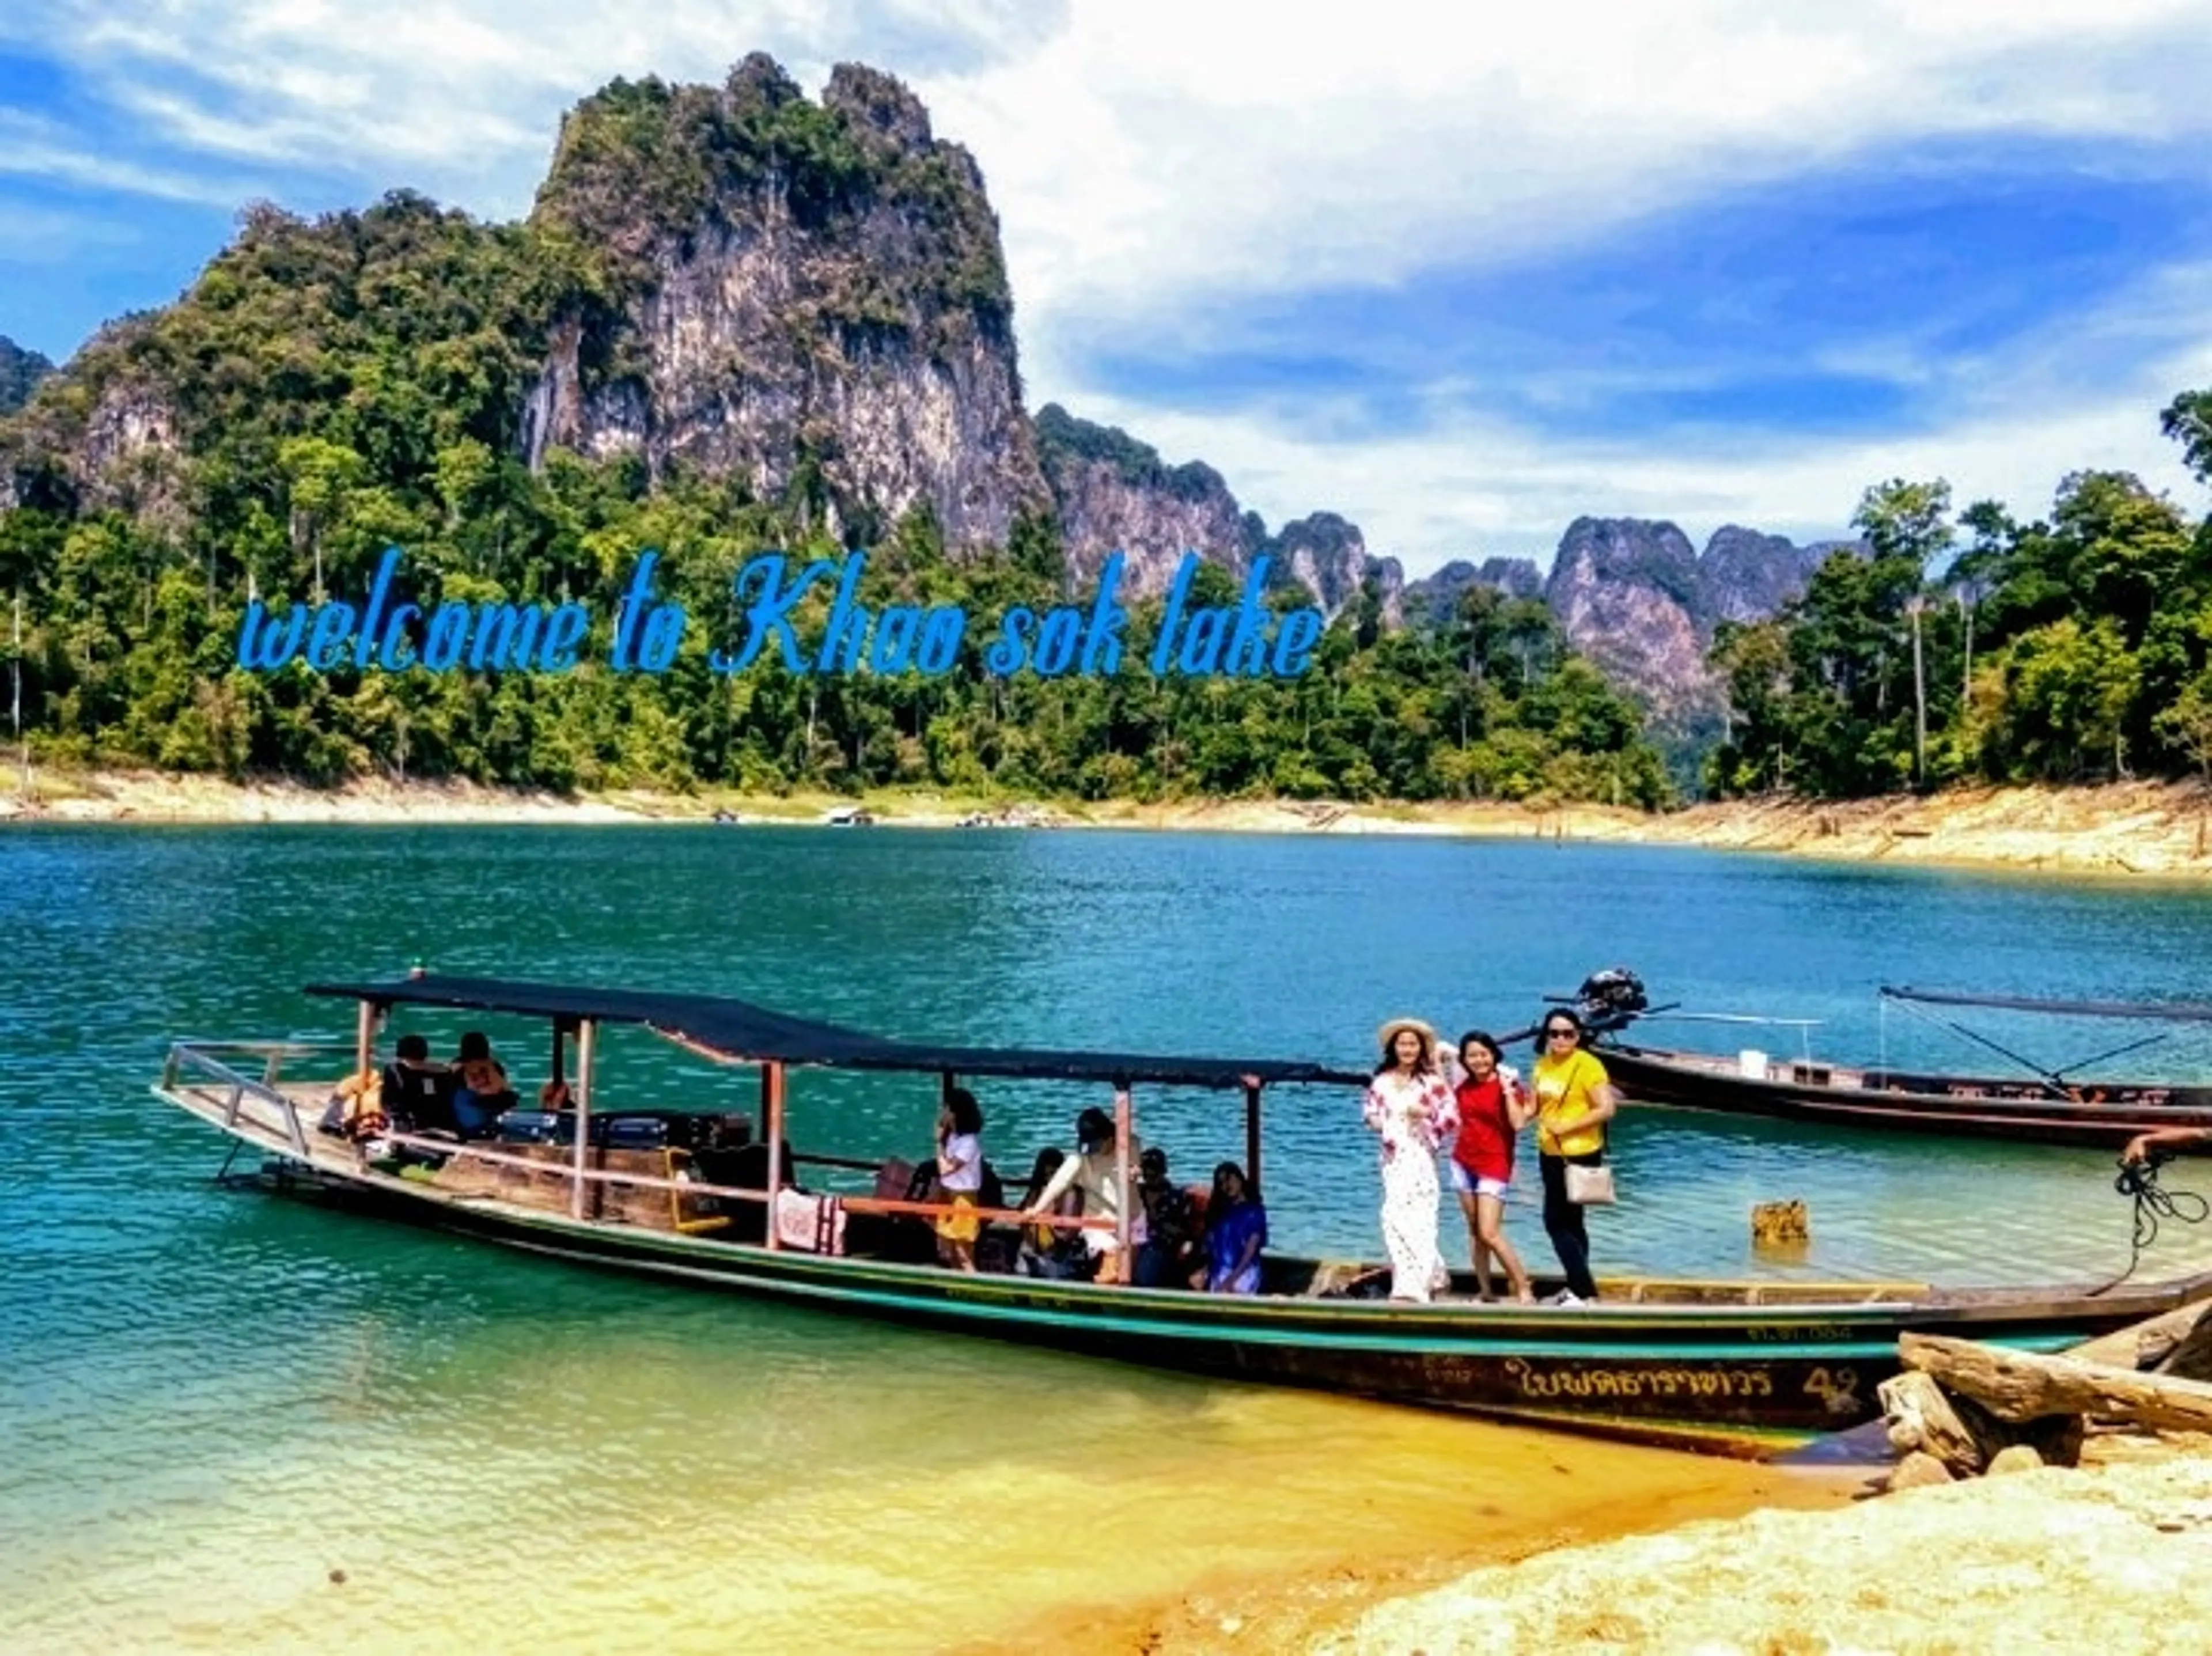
[[209, 1401]]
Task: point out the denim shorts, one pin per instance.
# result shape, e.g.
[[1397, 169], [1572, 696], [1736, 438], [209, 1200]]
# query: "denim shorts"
[[1467, 1185]]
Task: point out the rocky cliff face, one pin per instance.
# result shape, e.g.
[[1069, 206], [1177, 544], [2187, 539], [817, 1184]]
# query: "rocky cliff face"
[[110, 439], [1112, 493], [1326, 556], [1434, 597], [1632, 596], [1743, 576], [1625, 591], [811, 297]]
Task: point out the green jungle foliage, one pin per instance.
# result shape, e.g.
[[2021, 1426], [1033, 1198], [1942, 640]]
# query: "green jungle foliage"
[[342, 387], [2076, 648]]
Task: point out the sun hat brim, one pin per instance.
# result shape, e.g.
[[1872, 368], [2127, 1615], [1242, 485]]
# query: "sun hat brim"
[[1388, 1032]]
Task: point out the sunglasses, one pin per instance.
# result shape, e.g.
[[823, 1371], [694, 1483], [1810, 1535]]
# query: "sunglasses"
[[1561, 1034]]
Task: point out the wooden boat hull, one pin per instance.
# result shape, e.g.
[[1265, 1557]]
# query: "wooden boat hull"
[[1696, 1368], [2100, 1115]]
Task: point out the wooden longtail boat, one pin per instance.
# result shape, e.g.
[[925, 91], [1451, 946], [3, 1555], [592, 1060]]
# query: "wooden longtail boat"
[[2049, 1107], [1742, 1368]]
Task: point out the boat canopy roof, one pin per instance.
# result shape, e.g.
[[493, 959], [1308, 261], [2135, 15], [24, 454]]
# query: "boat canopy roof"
[[743, 1032], [2178, 1012]]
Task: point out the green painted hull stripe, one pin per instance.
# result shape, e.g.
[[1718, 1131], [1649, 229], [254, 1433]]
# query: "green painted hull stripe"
[[1414, 1343]]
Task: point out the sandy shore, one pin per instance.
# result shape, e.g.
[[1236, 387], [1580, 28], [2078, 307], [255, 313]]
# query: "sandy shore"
[[2121, 829], [2114, 1557]]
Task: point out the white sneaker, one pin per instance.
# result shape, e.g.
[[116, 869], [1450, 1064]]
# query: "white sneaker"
[[1566, 1296]]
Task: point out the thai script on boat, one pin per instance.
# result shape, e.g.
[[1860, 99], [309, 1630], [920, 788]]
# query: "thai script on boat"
[[392, 633], [1640, 1382]]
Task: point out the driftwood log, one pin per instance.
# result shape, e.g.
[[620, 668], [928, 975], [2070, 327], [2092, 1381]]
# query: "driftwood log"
[[2019, 1386], [2191, 1357], [2177, 1343], [1965, 1437]]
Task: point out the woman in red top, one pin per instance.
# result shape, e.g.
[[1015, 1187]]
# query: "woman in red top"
[[1493, 1106]]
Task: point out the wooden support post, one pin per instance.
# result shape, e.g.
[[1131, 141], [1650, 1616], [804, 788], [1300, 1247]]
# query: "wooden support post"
[[772, 1126], [1122, 1134], [1252, 1141], [586, 1033], [364, 1041]]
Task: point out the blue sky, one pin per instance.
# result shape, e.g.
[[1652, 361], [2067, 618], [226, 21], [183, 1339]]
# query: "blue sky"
[[1861, 298], [1669, 260]]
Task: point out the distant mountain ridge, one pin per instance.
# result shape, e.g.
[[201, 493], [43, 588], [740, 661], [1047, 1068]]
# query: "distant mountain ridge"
[[20, 371], [1631, 594]]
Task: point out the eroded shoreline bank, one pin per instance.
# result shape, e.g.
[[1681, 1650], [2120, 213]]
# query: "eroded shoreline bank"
[[2120, 829]]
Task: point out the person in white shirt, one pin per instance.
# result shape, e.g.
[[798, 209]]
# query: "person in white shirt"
[[1098, 1172], [960, 1170]]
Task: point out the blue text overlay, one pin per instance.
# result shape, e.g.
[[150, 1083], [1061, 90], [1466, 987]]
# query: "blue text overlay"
[[390, 633]]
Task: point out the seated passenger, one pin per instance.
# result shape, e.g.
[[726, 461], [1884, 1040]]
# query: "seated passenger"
[[483, 1093], [355, 1111], [1169, 1257], [1236, 1231], [419, 1093], [1096, 1172], [1052, 1251]]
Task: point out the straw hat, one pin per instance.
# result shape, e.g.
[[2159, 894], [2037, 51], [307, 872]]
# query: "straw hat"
[[1389, 1033]]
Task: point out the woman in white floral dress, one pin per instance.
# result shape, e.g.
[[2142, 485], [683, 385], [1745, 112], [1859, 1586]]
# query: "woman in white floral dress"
[[1412, 1106]]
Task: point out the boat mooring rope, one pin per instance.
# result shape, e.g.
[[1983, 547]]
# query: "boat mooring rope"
[[2153, 1202]]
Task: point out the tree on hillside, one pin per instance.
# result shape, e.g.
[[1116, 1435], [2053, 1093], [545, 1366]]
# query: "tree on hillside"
[[2188, 421]]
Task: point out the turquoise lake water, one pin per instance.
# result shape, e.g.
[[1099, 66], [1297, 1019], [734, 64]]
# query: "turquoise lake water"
[[210, 1400]]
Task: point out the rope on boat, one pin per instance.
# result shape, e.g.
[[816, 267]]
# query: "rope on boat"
[[2153, 1202]]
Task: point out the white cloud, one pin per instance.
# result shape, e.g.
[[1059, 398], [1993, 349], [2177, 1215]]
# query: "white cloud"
[[45, 235], [1473, 490], [58, 164], [1149, 160]]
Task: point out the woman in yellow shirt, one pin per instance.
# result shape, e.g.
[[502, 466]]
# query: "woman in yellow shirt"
[[1574, 1100]]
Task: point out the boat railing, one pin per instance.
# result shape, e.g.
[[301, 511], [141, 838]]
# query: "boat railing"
[[450, 1149], [203, 1069], [211, 1072]]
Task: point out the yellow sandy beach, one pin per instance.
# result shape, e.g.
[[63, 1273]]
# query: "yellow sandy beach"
[[2131, 829]]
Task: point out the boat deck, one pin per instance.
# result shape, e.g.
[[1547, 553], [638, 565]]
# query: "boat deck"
[[646, 1189]]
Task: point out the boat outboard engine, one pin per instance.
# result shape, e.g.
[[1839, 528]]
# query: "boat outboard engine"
[[1610, 1000]]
